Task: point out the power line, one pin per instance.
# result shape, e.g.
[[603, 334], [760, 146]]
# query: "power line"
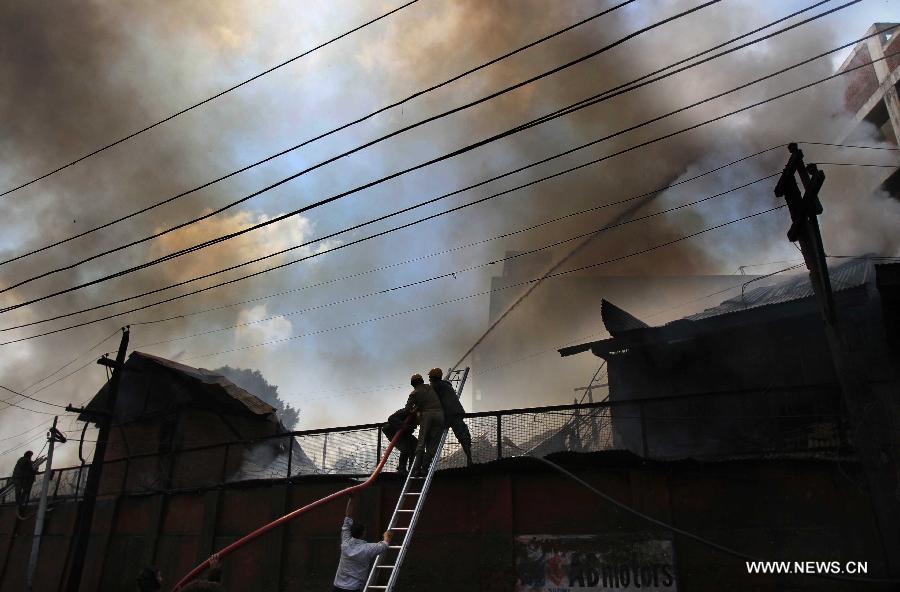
[[308, 141], [69, 363], [687, 534], [620, 132], [854, 145], [857, 164], [322, 252], [583, 105], [453, 274], [40, 425], [511, 172], [458, 247], [320, 164], [484, 293], [29, 397], [23, 444], [207, 100], [721, 45]]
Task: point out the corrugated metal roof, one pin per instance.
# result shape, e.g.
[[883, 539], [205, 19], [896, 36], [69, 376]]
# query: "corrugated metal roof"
[[253, 403], [211, 386], [847, 274]]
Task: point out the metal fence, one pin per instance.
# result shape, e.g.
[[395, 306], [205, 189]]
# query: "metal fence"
[[798, 422]]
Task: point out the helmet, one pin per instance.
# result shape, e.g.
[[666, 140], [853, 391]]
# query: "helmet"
[[435, 374]]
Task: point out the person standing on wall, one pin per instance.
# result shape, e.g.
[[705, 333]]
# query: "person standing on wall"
[[406, 443], [424, 401], [24, 475], [453, 411]]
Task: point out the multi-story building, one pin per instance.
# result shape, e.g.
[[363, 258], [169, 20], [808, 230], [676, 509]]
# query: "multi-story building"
[[872, 93]]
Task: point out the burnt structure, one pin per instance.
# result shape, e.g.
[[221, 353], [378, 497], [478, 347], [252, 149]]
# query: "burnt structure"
[[548, 313], [753, 374], [164, 406], [872, 93]]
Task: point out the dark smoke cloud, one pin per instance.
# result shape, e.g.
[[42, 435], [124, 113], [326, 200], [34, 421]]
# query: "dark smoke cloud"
[[77, 75]]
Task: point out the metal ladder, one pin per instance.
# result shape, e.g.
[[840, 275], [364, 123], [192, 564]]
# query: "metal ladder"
[[387, 565]]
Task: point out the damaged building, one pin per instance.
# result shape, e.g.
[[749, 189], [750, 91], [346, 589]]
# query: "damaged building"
[[164, 407], [872, 95], [753, 373]]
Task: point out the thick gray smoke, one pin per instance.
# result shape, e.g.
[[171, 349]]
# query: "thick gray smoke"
[[254, 382], [78, 75]]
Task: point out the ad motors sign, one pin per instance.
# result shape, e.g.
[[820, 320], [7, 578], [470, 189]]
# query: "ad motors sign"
[[546, 563]]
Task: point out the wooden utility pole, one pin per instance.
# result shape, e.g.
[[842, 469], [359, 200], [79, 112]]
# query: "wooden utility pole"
[[92, 486], [53, 436], [870, 437]]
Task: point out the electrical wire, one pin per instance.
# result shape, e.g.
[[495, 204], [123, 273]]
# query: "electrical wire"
[[322, 163], [28, 431], [207, 100], [372, 183], [856, 164], [454, 274], [344, 245], [852, 145], [69, 363], [422, 257], [308, 141], [487, 292], [29, 397], [687, 534], [338, 247], [22, 445]]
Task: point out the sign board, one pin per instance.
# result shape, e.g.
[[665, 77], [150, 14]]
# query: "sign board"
[[550, 563]]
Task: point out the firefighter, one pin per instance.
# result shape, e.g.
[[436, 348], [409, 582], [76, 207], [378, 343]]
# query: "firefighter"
[[430, 415], [23, 476], [453, 411], [406, 443]]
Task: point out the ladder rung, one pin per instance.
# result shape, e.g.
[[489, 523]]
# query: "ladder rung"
[[410, 511], [395, 546], [418, 478], [386, 566], [399, 528], [412, 493]]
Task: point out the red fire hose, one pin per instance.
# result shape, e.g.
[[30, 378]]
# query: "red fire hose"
[[287, 517]]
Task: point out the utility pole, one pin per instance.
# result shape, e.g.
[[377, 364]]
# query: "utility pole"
[[870, 438], [92, 486], [53, 436]]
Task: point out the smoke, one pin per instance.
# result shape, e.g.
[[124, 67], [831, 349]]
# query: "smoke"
[[77, 75], [254, 382]]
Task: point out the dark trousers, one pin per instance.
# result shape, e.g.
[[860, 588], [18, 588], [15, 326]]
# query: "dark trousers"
[[460, 430], [407, 446], [431, 425], [23, 491]]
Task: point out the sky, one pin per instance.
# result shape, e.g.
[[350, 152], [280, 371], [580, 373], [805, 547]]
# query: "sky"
[[79, 75]]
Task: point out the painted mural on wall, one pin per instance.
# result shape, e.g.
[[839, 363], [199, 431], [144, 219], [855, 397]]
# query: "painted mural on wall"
[[547, 563]]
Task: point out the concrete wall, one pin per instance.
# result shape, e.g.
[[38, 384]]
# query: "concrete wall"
[[775, 509]]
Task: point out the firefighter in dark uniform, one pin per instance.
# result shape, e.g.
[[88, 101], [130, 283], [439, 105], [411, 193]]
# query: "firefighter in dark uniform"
[[430, 415], [453, 411], [23, 476], [406, 443]]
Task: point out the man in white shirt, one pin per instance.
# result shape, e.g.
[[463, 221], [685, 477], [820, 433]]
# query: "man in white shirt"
[[356, 554]]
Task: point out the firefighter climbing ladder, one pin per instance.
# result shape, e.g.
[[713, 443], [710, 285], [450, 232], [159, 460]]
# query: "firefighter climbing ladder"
[[403, 521]]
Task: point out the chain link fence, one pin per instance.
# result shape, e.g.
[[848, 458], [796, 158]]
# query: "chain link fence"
[[761, 424]]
